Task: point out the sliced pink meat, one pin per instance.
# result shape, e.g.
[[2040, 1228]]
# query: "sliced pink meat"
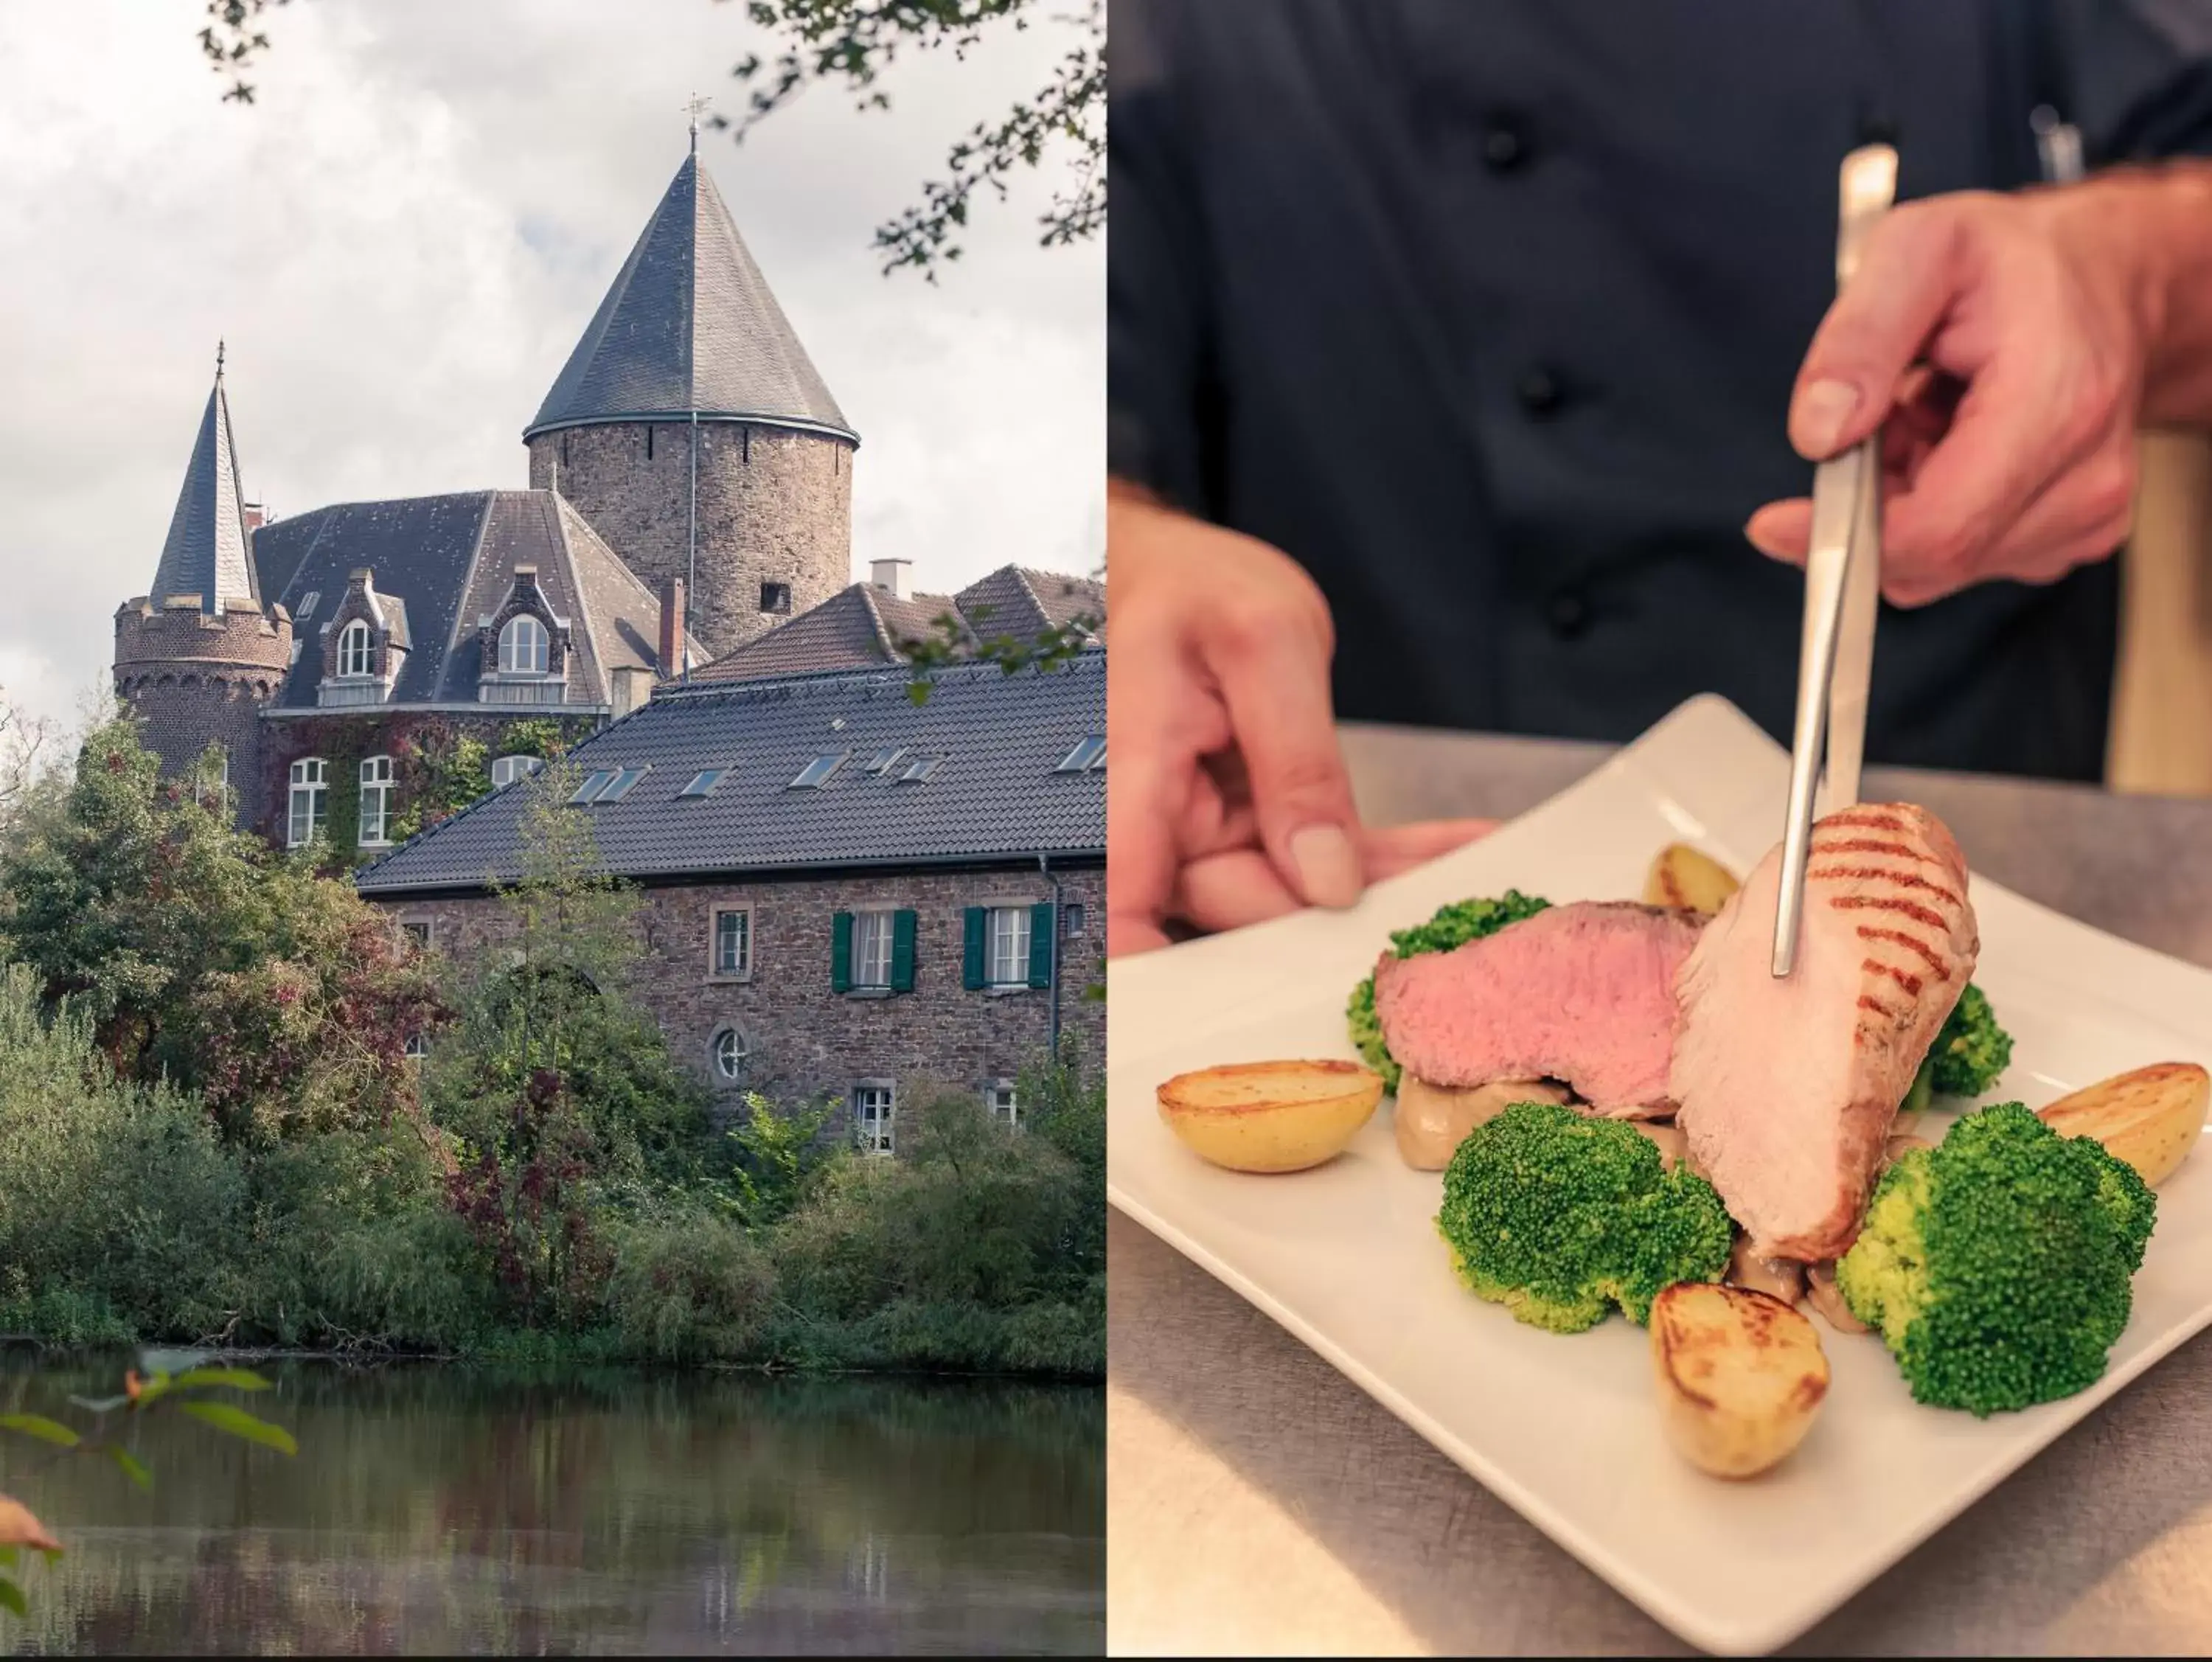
[[1582, 993], [1788, 1088]]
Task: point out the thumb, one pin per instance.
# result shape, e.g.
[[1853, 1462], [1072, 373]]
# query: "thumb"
[[1875, 329], [1276, 687]]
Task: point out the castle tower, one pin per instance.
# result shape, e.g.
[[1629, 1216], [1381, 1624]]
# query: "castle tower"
[[690, 429], [198, 657]]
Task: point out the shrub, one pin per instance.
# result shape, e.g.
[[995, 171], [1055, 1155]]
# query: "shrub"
[[688, 1286]]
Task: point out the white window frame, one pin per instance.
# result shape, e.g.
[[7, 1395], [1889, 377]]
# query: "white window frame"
[[310, 787], [742, 970], [376, 785], [524, 646], [1006, 932], [875, 1117], [417, 1048], [730, 1053], [882, 923], [429, 932], [506, 770], [1003, 1101], [356, 649]]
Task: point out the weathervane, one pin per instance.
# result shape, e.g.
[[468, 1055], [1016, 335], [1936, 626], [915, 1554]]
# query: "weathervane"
[[218, 358], [698, 104]]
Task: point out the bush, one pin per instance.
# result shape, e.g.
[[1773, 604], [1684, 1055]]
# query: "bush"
[[118, 1203], [688, 1286]]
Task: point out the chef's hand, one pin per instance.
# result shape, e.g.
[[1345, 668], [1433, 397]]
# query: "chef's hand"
[[1228, 803], [2002, 340]]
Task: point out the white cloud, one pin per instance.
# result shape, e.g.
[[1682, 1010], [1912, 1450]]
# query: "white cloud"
[[402, 239]]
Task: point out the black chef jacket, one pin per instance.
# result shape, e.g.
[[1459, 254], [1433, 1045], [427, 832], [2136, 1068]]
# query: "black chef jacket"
[[1488, 312]]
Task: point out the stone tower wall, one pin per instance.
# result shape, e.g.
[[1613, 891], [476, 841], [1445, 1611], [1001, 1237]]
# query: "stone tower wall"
[[775, 506], [195, 678]]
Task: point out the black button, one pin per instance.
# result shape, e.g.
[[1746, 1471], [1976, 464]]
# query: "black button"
[[1504, 145], [1570, 614], [1539, 392]]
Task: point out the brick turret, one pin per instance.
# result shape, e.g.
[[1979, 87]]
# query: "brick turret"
[[690, 429], [198, 656]]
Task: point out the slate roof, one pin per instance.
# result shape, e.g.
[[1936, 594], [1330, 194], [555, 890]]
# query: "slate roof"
[[994, 794], [865, 625], [206, 552], [448, 561], [690, 324]]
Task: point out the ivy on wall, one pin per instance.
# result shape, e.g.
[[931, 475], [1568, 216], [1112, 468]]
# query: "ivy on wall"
[[439, 764]]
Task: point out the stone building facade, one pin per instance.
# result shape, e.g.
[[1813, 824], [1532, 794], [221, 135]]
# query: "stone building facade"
[[844, 894], [797, 1038], [197, 679], [774, 513]]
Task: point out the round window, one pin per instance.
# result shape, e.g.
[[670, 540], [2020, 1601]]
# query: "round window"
[[730, 1053]]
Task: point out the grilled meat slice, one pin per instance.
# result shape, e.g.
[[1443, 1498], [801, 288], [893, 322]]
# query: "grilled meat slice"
[[1788, 1088], [1582, 993]]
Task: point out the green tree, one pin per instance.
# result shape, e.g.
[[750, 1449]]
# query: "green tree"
[[559, 1085], [281, 997], [854, 43]]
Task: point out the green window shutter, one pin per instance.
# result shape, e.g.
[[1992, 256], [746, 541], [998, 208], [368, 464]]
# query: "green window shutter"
[[903, 952], [1041, 925], [973, 925], [840, 952]]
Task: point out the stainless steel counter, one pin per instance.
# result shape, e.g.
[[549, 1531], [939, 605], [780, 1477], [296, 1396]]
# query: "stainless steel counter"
[[1259, 1501]]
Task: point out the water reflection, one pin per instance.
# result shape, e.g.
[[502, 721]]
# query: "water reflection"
[[434, 1510]]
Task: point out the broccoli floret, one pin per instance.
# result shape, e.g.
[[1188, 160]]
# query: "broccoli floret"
[[1454, 925], [1559, 1217], [1998, 1265], [1971, 1053]]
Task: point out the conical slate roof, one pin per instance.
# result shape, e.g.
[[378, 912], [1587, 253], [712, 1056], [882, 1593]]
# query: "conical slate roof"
[[688, 324], [206, 553]]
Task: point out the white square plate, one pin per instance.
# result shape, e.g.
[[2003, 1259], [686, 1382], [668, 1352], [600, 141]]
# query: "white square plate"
[[1566, 1429]]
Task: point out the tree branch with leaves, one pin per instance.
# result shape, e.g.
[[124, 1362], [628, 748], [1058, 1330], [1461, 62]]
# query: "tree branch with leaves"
[[855, 43]]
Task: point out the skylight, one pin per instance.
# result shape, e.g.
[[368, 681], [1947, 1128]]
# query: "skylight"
[[704, 783], [623, 782], [817, 771], [919, 770], [1089, 753], [307, 602], [882, 760], [590, 789]]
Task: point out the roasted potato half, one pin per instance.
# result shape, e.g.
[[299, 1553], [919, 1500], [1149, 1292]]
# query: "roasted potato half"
[[1741, 1376], [1270, 1116], [1682, 877], [2150, 1119]]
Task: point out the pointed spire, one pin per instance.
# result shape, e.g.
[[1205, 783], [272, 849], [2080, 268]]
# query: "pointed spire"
[[688, 324], [207, 553]]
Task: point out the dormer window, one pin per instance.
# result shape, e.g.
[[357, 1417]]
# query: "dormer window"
[[522, 647], [356, 649], [363, 646]]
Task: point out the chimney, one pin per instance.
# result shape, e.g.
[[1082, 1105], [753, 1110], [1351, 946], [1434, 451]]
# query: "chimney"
[[893, 575], [255, 517], [671, 629]]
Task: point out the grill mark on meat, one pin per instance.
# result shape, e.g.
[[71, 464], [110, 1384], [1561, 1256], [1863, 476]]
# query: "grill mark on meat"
[[1867, 821], [1903, 879], [1868, 1002], [1874, 845], [1883, 903], [1911, 943], [1904, 978]]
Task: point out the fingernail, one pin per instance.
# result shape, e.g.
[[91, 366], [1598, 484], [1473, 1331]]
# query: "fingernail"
[[1818, 418], [1328, 865]]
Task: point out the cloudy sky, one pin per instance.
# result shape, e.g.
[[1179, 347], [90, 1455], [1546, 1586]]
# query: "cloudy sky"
[[402, 237]]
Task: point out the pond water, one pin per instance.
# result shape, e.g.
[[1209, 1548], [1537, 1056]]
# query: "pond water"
[[440, 1510]]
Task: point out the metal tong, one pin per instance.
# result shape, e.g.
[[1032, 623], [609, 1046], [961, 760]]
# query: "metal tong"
[[1843, 593]]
